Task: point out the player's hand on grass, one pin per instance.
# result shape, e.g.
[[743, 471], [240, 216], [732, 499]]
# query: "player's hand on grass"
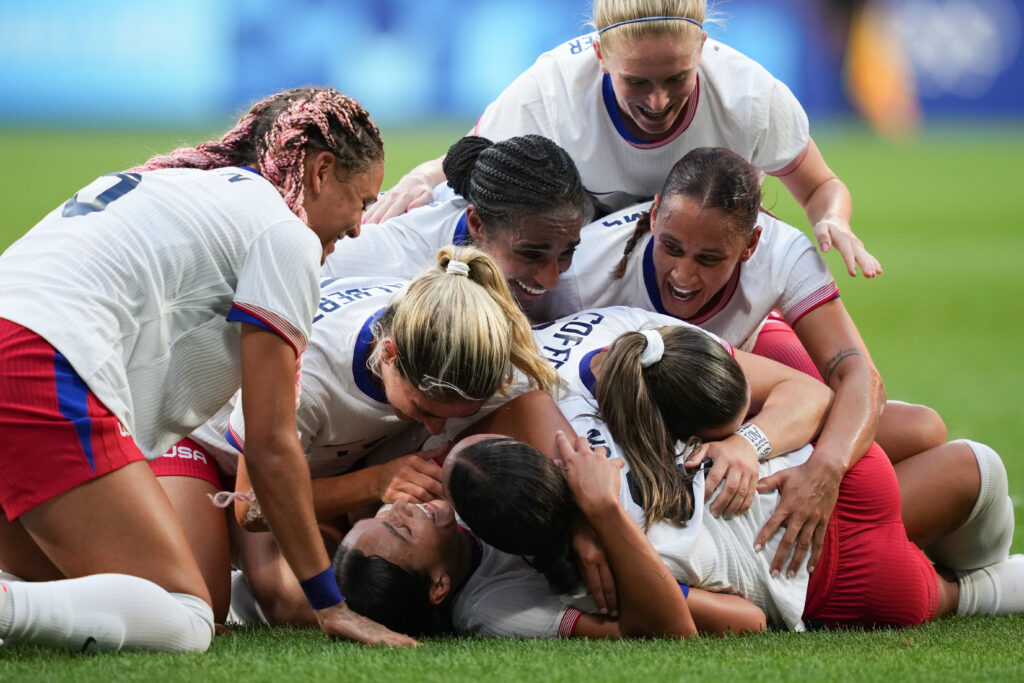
[[807, 495], [734, 472], [341, 622], [596, 573], [834, 232], [415, 478]]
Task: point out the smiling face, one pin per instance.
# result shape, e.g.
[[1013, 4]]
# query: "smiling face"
[[411, 404], [652, 78], [334, 206], [419, 538], [695, 252], [534, 254]]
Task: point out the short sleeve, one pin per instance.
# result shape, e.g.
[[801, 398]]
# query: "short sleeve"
[[520, 109], [278, 286], [808, 284], [787, 134]]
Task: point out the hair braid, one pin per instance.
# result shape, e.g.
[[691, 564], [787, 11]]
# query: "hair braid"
[[277, 134]]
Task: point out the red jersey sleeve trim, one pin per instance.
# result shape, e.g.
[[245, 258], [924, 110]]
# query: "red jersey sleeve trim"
[[791, 166], [278, 324], [567, 626], [817, 298]]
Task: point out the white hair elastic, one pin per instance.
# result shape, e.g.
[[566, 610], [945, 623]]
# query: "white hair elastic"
[[655, 348], [457, 268]]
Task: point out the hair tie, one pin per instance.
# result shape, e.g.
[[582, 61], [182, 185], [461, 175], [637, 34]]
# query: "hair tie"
[[655, 348], [457, 268], [640, 19]]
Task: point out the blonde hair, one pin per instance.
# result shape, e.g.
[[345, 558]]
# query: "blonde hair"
[[697, 385], [608, 12], [460, 336]]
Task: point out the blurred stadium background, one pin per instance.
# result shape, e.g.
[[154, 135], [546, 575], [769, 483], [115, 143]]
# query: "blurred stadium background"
[[89, 88]]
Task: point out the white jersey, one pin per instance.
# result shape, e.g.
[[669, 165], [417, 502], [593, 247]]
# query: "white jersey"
[[785, 272], [709, 553], [342, 412], [507, 598], [565, 96], [139, 281], [402, 246]]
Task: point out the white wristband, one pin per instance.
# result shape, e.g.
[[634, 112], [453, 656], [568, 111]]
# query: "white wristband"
[[757, 438]]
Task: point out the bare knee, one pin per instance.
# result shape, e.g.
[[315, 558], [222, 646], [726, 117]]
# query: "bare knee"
[[906, 429]]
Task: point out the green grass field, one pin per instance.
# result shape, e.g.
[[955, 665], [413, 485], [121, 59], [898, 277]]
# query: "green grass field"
[[943, 323]]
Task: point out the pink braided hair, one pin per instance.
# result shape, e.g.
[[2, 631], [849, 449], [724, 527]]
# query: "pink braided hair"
[[275, 135]]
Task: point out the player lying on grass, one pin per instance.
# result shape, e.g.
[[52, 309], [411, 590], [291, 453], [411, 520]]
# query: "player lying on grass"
[[128, 316], [520, 201], [383, 353], [865, 543]]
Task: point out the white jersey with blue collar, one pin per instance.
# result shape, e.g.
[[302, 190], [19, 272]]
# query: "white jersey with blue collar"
[[711, 553], [402, 246], [342, 412], [785, 272], [140, 280], [565, 96]]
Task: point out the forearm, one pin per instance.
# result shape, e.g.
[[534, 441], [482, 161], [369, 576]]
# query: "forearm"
[[335, 496], [794, 414], [851, 423], [650, 602], [280, 479], [430, 172], [829, 200]]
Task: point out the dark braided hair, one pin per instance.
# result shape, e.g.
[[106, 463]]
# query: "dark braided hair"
[[513, 179], [277, 133], [714, 177], [514, 498]]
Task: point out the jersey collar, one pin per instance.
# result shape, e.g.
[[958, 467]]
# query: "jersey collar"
[[611, 105], [364, 342]]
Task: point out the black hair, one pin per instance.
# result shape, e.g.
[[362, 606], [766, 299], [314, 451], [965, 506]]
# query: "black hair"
[[515, 499], [389, 594], [716, 178], [516, 178]]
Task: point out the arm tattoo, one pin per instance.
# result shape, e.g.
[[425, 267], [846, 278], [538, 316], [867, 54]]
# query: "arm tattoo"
[[836, 360]]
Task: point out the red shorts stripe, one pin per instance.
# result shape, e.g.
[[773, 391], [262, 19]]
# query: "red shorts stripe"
[[54, 433], [187, 459], [870, 574]]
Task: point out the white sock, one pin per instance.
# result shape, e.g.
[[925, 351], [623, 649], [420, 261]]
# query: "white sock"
[[244, 608], [986, 536], [104, 613], [996, 589]]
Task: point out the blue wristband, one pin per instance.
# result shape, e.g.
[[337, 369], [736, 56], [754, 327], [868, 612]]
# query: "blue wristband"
[[322, 590], [686, 590]]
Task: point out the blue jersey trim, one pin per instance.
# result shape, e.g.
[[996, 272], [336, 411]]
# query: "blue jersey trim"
[[612, 105], [461, 237], [73, 404], [250, 168], [230, 438], [686, 590], [237, 315], [361, 353], [651, 278], [586, 374]]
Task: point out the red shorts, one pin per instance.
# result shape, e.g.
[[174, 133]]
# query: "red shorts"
[[54, 433], [870, 574], [779, 342], [187, 459]]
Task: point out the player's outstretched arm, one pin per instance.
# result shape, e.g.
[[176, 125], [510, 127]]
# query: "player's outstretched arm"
[[416, 188], [826, 200]]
